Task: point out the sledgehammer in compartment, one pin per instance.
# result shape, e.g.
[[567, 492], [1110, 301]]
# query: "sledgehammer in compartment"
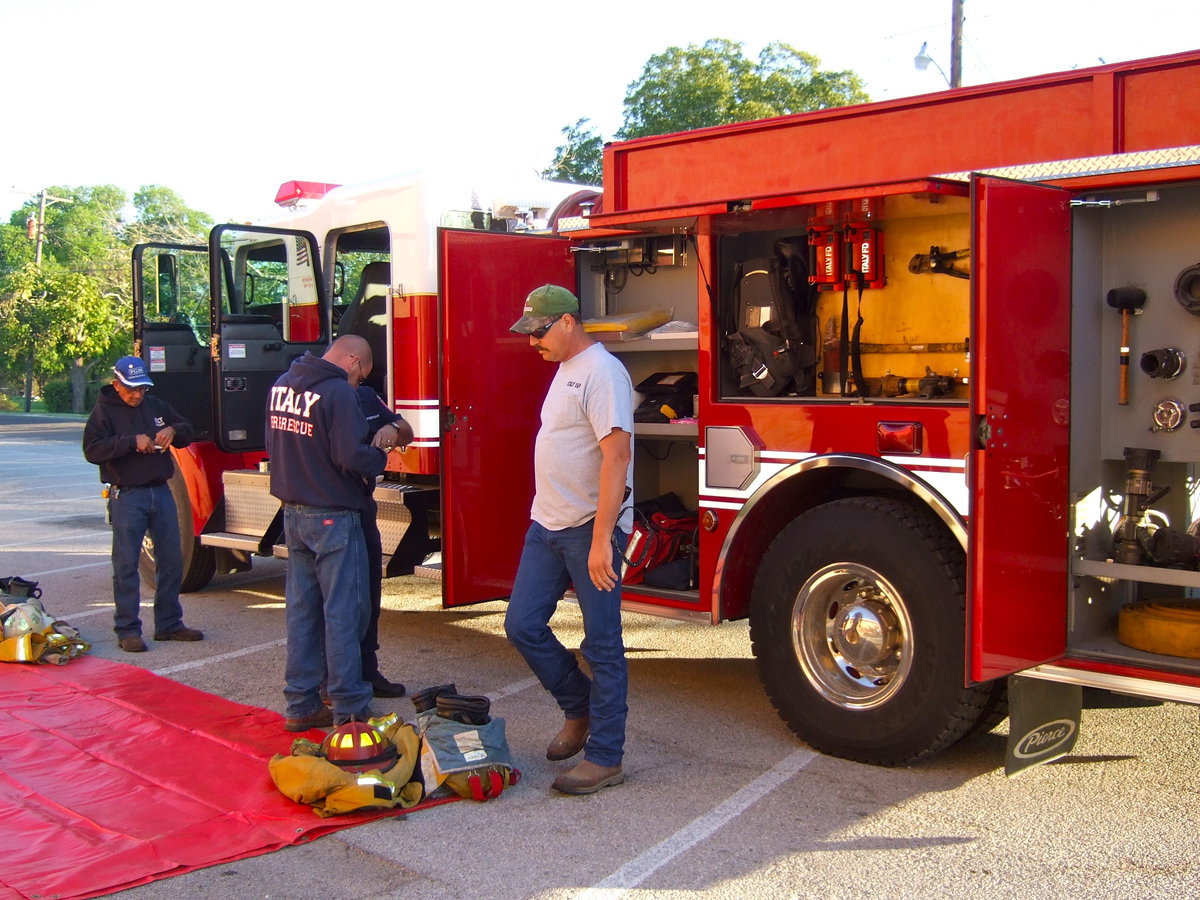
[[1129, 300]]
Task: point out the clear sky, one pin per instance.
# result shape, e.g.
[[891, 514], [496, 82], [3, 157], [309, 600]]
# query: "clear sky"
[[224, 100]]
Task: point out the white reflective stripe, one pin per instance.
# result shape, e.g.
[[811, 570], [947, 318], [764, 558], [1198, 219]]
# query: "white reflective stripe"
[[952, 486], [425, 421], [706, 503], [917, 463], [765, 471]]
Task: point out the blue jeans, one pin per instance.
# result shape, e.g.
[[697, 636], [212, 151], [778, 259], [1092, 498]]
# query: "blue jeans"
[[551, 562], [327, 610], [136, 511]]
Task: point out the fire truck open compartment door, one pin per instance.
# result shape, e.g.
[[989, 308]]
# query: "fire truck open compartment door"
[[1017, 565], [492, 387], [268, 308], [171, 327]]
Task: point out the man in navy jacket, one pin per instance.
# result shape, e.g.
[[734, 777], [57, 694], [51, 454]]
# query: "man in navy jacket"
[[127, 436], [323, 468]]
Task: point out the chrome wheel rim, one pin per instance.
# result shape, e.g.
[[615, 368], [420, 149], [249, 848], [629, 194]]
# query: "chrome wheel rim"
[[852, 636]]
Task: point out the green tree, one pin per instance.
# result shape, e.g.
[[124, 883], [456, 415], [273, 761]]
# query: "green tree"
[[163, 216], [579, 158], [710, 84], [86, 271], [715, 84], [52, 320]]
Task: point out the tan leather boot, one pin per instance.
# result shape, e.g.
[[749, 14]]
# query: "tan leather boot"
[[569, 741], [587, 778]]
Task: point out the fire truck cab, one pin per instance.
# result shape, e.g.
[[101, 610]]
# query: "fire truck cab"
[[963, 475]]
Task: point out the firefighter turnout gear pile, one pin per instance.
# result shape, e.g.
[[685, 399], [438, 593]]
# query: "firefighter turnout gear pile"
[[30, 634]]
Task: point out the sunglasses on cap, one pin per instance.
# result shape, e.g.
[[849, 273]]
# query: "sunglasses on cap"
[[539, 333]]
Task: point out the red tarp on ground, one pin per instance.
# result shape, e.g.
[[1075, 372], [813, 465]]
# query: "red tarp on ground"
[[111, 776]]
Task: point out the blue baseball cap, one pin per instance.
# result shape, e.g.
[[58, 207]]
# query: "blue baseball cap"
[[132, 372]]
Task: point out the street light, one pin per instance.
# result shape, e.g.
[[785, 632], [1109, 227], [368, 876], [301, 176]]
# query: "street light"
[[923, 59]]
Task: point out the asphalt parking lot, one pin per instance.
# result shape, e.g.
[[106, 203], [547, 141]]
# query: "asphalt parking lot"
[[720, 799]]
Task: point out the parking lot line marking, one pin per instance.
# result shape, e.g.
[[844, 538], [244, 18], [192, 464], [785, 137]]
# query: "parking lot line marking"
[[642, 867], [515, 688], [58, 537], [48, 518], [24, 503], [46, 572], [232, 654]]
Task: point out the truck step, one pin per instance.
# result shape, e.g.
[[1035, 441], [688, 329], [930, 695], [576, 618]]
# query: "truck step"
[[232, 540]]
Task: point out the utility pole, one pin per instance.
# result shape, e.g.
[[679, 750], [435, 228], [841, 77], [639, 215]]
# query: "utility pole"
[[956, 23], [35, 230]]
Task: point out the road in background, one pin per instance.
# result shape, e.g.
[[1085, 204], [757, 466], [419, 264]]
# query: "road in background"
[[720, 798]]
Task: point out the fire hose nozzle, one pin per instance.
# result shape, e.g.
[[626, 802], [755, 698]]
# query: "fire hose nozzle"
[[1165, 362]]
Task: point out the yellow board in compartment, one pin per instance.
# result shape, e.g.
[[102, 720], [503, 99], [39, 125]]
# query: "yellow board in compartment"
[[911, 309]]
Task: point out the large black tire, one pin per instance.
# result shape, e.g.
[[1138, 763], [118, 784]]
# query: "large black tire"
[[199, 562], [857, 624]]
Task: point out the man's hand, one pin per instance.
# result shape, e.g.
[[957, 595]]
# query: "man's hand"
[[163, 439], [397, 434], [600, 567], [145, 444]]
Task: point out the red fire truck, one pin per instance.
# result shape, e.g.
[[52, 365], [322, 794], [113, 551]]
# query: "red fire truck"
[[974, 455]]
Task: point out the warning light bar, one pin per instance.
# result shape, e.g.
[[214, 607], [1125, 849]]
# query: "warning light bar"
[[292, 192]]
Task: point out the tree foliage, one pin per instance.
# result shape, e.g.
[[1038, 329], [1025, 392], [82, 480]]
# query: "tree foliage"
[[713, 83], [74, 311], [579, 157]]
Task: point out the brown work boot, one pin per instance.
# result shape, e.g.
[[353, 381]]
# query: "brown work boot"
[[132, 643], [587, 778], [569, 741], [322, 718], [180, 634]]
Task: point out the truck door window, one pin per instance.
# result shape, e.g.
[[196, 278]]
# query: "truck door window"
[[271, 278], [353, 250], [174, 288]]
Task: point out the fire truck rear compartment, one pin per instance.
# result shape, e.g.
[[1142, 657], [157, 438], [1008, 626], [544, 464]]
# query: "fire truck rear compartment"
[[1134, 486]]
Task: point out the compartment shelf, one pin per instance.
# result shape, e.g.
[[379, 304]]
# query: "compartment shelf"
[[644, 344], [1099, 568], [666, 430]]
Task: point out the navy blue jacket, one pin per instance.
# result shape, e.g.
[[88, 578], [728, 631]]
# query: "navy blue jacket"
[[375, 410], [111, 433], [317, 439]]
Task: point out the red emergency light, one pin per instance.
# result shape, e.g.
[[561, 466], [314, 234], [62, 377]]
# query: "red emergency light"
[[292, 192]]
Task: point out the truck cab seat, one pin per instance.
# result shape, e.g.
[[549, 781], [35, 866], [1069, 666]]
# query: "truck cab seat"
[[367, 316]]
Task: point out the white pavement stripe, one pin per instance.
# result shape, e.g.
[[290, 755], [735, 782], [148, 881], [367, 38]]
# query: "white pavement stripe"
[[48, 518], [232, 654], [24, 503], [515, 688], [88, 613], [46, 572], [639, 869], [78, 534], [26, 483]]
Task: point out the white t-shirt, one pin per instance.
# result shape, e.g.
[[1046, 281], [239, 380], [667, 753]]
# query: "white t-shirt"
[[591, 394]]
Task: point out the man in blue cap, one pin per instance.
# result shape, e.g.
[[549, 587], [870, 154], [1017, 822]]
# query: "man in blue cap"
[[127, 436]]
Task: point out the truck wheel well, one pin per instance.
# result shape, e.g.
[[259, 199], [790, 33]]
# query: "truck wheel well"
[[781, 502]]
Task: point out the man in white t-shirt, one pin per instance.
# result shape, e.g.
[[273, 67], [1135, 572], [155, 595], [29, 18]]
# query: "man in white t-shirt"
[[583, 473]]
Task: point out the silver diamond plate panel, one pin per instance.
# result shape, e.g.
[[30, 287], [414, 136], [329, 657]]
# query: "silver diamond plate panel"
[[1139, 161], [249, 506]]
